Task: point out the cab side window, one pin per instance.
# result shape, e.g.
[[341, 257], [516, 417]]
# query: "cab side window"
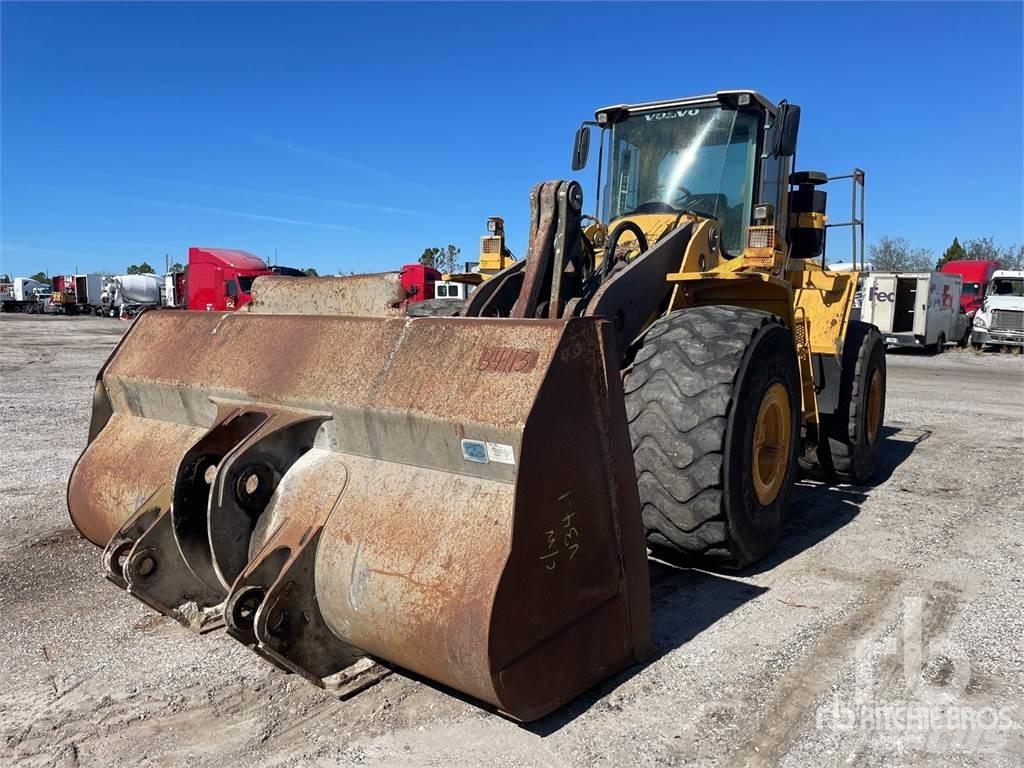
[[231, 288]]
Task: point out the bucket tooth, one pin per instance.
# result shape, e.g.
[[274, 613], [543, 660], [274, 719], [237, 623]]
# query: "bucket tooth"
[[273, 606], [290, 629], [115, 554], [150, 567]]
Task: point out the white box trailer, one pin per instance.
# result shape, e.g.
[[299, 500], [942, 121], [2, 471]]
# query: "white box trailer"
[[89, 290], [915, 309]]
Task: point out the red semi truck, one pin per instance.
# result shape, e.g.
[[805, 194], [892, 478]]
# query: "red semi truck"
[[216, 280], [976, 276], [418, 282]]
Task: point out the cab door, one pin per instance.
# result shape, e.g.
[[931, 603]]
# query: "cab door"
[[927, 313], [231, 293], [879, 300]]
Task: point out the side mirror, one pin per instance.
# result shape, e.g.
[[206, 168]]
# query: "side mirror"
[[581, 148], [787, 125]]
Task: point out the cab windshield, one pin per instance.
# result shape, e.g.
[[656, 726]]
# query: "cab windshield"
[[698, 159], [1008, 286]]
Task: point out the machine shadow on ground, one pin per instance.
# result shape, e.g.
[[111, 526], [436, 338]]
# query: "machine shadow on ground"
[[898, 442], [684, 603], [820, 508], [687, 601]]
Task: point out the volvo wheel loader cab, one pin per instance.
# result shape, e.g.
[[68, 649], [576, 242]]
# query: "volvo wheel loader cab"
[[319, 487], [754, 361]]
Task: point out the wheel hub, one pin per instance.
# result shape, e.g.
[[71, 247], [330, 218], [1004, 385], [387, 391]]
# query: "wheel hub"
[[771, 449]]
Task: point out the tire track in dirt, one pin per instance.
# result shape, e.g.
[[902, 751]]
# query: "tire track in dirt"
[[797, 694]]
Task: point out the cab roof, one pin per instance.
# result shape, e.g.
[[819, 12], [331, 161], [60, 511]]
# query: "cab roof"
[[710, 98], [973, 271], [227, 257]]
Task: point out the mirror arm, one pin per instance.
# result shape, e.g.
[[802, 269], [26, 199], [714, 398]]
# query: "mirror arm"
[[779, 125]]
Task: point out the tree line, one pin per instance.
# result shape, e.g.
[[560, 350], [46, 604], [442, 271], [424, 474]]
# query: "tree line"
[[444, 259], [895, 254]]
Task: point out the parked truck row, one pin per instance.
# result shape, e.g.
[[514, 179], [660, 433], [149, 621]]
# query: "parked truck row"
[[966, 302], [215, 279]]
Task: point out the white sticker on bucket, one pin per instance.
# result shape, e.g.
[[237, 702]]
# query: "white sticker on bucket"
[[501, 453], [485, 453]]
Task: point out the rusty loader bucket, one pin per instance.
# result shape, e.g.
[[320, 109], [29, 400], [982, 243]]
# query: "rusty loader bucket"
[[451, 496]]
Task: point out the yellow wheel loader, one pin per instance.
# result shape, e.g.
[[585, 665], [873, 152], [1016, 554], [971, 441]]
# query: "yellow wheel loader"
[[649, 377]]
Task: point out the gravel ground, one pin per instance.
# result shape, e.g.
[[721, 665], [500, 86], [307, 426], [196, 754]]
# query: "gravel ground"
[[887, 629]]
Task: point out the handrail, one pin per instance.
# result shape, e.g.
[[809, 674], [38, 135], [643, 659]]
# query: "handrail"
[[856, 221]]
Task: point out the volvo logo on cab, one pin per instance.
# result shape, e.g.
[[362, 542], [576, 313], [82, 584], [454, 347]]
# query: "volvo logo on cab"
[[876, 295]]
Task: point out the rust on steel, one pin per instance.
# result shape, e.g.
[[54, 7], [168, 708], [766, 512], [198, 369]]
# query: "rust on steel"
[[540, 249], [342, 495], [128, 460], [376, 294]]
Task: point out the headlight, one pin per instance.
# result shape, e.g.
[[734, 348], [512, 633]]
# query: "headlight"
[[979, 322]]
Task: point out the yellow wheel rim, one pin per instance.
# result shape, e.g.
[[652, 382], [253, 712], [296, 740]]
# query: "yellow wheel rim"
[[772, 436], [874, 424]]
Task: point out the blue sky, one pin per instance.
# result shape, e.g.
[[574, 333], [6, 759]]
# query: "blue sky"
[[349, 137]]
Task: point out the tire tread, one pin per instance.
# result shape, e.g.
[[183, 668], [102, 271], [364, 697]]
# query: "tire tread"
[[679, 394], [861, 338]]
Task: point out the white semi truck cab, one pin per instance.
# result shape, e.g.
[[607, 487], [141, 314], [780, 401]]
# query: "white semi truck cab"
[[1001, 318], [23, 294]]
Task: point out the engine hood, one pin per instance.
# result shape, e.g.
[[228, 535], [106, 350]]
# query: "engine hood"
[[1004, 302]]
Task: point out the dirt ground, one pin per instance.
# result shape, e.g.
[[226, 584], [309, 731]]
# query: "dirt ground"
[[887, 629]]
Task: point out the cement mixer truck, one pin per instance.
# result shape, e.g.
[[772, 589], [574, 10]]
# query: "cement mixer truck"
[[126, 295]]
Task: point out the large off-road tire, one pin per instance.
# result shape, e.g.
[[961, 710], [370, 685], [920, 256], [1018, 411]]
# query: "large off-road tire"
[[713, 402], [855, 430]]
